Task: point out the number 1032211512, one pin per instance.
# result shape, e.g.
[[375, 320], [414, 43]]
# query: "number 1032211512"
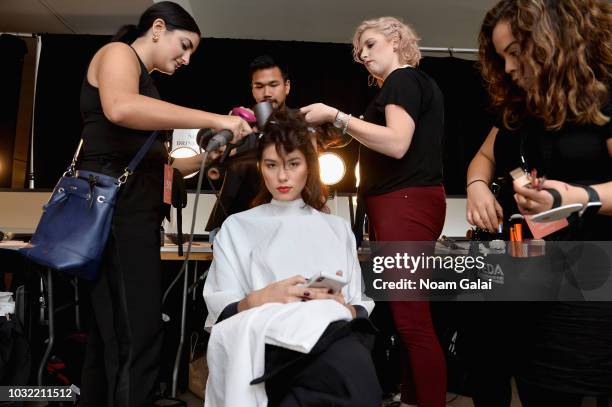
[[37, 393]]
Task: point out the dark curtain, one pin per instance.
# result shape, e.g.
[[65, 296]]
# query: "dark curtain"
[[12, 50], [467, 120], [57, 122], [217, 79]]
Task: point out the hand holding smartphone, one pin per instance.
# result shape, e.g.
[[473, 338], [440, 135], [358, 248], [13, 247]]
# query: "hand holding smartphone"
[[327, 280]]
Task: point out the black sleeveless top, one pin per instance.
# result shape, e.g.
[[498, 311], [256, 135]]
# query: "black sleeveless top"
[[107, 147]]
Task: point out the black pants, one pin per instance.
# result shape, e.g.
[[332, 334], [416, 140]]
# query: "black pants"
[[494, 335], [342, 375], [123, 353], [535, 396]]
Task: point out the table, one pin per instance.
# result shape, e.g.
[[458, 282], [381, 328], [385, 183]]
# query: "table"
[[200, 251]]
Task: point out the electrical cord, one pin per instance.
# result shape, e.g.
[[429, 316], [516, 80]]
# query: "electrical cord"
[[212, 187], [191, 233]]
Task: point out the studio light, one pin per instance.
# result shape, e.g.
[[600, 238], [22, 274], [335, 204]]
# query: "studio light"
[[184, 145], [332, 168]]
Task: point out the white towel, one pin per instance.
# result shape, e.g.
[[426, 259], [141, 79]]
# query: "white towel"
[[236, 350], [7, 305]]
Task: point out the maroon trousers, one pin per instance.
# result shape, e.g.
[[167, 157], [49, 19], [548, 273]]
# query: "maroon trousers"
[[414, 214]]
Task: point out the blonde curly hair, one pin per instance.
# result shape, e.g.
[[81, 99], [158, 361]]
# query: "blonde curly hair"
[[391, 28]]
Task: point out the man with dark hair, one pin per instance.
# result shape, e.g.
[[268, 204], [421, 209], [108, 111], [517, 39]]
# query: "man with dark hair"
[[269, 82]]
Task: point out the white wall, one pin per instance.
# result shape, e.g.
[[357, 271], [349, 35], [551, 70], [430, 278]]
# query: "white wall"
[[454, 226], [20, 212]]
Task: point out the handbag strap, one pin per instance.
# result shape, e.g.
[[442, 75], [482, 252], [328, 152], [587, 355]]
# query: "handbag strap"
[[131, 166], [137, 158], [71, 168]]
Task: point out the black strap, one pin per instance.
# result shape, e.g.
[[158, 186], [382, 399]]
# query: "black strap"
[[556, 197], [179, 201], [593, 194], [131, 166], [594, 204], [141, 153], [179, 230]]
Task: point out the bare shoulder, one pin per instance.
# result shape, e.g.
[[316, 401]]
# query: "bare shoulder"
[[117, 52], [116, 47], [116, 56]]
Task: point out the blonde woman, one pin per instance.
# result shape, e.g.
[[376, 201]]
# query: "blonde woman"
[[400, 161]]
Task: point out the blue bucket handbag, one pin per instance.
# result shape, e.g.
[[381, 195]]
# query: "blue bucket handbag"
[[72, 232]]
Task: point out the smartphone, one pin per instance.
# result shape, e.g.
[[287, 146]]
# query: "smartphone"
[[326, 280]]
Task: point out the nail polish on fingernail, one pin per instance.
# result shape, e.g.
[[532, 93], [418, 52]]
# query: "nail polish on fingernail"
[[330, 291], [306, 293]]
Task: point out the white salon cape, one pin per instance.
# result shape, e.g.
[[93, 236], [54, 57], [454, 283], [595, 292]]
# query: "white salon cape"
[[253, 249]]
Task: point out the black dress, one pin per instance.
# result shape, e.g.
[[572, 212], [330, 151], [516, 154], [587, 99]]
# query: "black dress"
[[570, 343], [123, 351]]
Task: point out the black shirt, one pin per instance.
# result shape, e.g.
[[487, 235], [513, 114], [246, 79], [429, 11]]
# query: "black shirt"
[[420, 96], [507, 154], [570, 341], [576, 154]]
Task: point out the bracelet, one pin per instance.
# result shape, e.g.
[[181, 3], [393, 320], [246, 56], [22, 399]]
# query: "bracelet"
[[346, 123], [476, 180], [341, 121]]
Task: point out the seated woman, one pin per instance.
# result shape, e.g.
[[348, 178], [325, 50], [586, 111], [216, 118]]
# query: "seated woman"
[[274, 340]]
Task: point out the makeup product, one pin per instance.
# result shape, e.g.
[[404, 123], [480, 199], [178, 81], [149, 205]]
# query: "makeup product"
[[520, 176]]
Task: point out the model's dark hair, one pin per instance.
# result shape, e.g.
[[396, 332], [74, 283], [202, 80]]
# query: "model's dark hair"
[[175, 17], [566, 45], [266, 62], [287, 130]]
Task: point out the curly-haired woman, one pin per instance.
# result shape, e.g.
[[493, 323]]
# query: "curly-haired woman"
[[547, 65]]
